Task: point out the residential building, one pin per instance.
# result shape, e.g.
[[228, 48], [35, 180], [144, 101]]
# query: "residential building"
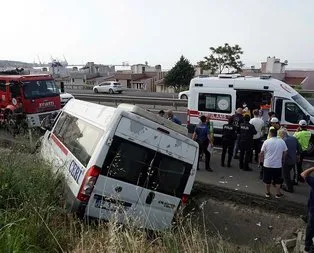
[[292, 76]]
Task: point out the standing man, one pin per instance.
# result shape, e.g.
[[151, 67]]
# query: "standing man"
[[303, 136], [173, 118], [258, 124], [246, 143], [237, 119], [202, 137], [229, 135], [272, 154], [293, 153], [274, 124], [306, 175]]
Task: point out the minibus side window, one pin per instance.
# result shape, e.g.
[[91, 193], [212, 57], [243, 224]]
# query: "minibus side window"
[[170, 175], [293, 113], [78, 136], [59, 125], [127, 161]]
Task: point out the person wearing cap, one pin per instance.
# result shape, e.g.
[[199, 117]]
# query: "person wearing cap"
[[274, 122], [237, 119], [293, 153], [247, 131], [202, 136], [272, 154], [229, 135], [303, 136]]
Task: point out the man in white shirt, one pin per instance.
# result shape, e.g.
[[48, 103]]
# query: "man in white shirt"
[[258, 123], [272, 154]]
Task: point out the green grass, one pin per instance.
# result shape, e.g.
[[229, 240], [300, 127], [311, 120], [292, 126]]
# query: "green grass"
[[32, 219]]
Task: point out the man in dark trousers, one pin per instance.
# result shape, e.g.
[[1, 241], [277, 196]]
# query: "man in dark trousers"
[[247, 132], [306, 175], [293, 153], [202, 137], [229, 135], [237, 119], [303, 136]]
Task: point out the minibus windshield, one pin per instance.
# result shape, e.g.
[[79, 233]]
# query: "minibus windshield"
[[304, 104]]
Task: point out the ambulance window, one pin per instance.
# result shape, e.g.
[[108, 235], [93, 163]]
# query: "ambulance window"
[[214, 102], [2, 86], [78, 136], [278, 109], [170, 175], [293, 113], [127, 161]]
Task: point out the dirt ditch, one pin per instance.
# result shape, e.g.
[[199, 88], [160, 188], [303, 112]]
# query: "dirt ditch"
[[244, 225]]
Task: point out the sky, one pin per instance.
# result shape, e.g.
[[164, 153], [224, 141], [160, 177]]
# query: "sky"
[[159, 32]]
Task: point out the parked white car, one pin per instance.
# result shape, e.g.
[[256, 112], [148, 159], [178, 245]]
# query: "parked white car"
[[65, 97], [108, 87], [184, 94]]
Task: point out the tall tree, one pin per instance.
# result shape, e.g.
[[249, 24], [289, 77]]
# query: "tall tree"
[[223, 57], [180, 75]]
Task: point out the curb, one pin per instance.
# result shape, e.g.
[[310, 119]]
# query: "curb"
[[249, 199]]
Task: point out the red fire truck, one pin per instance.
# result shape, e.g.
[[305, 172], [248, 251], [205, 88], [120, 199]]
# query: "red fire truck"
[[27, 98]]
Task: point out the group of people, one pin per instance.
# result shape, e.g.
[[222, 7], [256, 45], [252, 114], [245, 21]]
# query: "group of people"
[[277, 156]]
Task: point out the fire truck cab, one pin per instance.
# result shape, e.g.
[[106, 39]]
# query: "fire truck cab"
[[28, 97]]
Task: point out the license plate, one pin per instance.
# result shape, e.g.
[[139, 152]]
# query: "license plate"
[[102, 204]]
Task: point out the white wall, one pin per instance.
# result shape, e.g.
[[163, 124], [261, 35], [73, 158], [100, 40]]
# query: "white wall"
[[137, 69], [274, 65]]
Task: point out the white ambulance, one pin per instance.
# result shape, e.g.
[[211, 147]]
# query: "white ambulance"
[[218, 97], [123, 163]]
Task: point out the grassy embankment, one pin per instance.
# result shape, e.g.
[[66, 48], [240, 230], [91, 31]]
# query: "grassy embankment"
[[32, 219]]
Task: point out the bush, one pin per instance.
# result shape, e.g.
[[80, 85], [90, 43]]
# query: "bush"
[[30, 198]]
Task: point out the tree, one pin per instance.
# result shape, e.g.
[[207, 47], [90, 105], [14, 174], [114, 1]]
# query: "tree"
[[180, 75], [223, 57]]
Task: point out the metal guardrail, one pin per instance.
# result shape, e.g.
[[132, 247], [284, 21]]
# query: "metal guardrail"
[[306, 91], [78, 87], [117, 99]]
